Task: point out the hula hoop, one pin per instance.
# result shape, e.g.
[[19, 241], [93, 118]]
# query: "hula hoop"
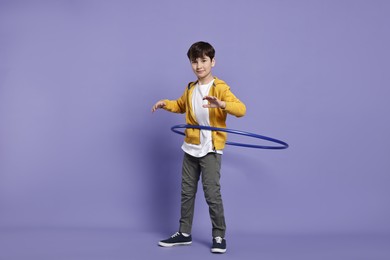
[[238, 132]]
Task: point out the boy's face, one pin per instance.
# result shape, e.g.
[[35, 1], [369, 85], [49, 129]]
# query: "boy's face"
[[202, 67]]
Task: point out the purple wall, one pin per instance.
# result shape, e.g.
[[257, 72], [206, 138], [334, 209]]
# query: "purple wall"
[[80, 147]]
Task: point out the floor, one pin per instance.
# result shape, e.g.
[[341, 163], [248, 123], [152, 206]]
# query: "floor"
[[121, 244]]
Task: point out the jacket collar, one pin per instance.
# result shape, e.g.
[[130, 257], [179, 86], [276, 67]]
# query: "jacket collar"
[[191, 84]]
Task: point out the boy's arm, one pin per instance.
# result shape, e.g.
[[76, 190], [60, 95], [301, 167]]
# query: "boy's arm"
[[233, 105], [176, 106], [228, 102]]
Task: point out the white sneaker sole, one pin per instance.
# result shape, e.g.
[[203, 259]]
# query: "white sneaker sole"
[[218, 250], [174, 244]]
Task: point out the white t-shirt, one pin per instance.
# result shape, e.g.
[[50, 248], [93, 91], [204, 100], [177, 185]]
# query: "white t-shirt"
[[203, 119]]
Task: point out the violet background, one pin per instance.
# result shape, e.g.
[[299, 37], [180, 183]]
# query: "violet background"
[[80, 149]]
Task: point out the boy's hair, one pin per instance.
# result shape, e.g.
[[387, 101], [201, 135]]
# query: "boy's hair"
[[199, 50]]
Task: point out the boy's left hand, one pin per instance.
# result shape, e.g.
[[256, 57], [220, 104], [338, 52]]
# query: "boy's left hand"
[[214, 102]]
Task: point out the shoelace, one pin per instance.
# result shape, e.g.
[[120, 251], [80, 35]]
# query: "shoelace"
[[218, 240], [175, 235]]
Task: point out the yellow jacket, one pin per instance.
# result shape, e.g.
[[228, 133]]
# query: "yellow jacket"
[[220, 90]]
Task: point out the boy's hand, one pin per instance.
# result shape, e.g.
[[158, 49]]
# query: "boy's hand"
[[159, 104], [214, 102]]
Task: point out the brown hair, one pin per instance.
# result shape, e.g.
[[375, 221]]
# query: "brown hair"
[[199, 50]]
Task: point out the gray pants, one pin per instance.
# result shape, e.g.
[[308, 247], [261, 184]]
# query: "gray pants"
[[209, 166]]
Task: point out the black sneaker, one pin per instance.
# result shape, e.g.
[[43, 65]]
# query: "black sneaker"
[[175, 240], [219, 245]]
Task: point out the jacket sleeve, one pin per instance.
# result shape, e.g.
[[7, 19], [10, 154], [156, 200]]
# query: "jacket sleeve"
[[178, 105], [233, 105]]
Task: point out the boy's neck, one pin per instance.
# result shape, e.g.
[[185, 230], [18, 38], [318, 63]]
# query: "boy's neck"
[[206, 80]]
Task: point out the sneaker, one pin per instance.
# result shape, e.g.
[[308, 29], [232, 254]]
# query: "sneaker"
[[219, 245], [175, 240]]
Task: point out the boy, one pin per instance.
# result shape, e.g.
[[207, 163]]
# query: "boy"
[[206, 102]]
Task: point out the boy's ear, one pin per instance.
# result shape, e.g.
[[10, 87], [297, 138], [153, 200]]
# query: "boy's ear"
[[213, 62]]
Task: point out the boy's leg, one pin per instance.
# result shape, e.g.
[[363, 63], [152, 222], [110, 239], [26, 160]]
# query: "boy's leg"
[[189, 185], [210, 167]]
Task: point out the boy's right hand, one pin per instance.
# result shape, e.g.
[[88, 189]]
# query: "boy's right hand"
[[159, 104]]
